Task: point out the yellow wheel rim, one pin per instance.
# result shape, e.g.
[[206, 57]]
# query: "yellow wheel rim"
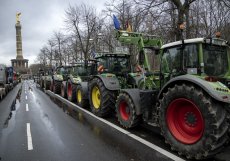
[[79, 97], [96, 97]]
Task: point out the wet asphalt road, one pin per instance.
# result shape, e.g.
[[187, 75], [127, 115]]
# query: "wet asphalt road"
[[57, 136], [39, 130]]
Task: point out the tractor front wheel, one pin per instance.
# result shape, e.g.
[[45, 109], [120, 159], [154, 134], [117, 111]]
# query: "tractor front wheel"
[[125, 111], [71, 90], [57, 87], [80, 97], [51, 86], [47, 85], [192, 122], [102, 100], [63, 90]]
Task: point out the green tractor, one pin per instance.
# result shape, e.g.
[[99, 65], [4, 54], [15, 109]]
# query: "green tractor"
[[113, 71], [40, 76], [48, 78], [83, 71], [76, 75], [190, 104], [60, 75]]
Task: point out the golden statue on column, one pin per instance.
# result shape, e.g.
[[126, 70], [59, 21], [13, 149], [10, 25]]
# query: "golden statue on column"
[[18, 17]]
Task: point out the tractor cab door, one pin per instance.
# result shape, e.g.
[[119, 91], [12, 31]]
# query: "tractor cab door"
[[179, 60]]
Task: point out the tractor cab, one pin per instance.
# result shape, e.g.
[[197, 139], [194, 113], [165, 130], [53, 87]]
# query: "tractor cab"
[[118, 64], [63, 71], [82, 70], [205, 57]]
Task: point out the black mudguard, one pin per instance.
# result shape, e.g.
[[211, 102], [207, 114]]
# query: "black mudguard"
[[223, 97], [111, 83]]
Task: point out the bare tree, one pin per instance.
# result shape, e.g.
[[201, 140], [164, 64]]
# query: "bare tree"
[[82, 21]]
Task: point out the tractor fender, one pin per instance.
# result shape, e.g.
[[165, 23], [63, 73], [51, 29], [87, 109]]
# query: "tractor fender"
[[85, 91], [111, 83], [134, 94], [208, 87]]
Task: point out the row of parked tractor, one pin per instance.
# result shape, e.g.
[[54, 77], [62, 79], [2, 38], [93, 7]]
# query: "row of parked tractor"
[[187, 97], [8, 79]]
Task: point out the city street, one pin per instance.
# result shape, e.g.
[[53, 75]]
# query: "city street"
[[39, 129]]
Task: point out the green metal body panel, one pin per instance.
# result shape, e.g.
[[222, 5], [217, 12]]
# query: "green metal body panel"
[[142, 41]]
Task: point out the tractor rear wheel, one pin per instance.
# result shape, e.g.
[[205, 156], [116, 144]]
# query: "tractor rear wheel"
[[51, 86], [102, 100], [125, 110], [57, 87], [63, 90], [41, 83], [71, 91], [193, 124], [47, 85], [80, 97]]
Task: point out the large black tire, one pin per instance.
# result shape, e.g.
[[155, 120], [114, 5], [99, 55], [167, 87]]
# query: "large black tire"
[[107, 98], [52, 85], [209, 114], [41, 83], [125, 111], [57, 87], [47, 85], [80, 99], [63, 90], [71, 91]]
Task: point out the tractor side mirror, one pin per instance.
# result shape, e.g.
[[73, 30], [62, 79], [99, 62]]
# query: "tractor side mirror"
[[141, 57]]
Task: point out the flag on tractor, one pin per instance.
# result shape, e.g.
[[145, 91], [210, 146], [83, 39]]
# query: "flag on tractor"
[[128, 27], [116, 23]]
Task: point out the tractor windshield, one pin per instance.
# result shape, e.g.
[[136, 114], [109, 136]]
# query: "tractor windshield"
[[215, 60], [63, 70], [114, 64], [80, 70]]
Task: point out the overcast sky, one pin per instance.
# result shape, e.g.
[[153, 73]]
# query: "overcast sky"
[[39, 19]]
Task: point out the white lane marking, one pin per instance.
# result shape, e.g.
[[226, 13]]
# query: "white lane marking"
[[26, 97], [27, 108], [151, 145], [157, 148], [29, 137]]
